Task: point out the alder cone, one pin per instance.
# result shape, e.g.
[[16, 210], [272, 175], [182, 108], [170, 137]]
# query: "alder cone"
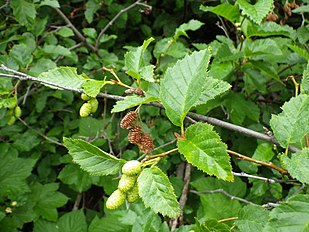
[[126, 183], [135, 135], [137, 91], [132, 195], [94, 105], [85, 110], [128, 120], [131, 168], [116, 199], [146, 144]]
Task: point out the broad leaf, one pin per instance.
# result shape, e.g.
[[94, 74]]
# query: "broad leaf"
[[292, 215], [131, 101], [292, 124], [252, 218], [46, 200], [73, 221], [92, 87], [305, 81], [211, 225], [256, 12], [228, 11], [298, 165], [64, 77], [183, 85], [157, 192], [300, 51], [192, 25], [24, 11], [91, 158], [136, 65], [203, 148]]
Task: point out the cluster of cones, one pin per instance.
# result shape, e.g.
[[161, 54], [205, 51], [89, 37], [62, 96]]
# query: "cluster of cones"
[[136, 134]]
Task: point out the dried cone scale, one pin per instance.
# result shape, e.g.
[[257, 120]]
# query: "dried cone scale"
[[129, 120], [146, 144], [135, 135]]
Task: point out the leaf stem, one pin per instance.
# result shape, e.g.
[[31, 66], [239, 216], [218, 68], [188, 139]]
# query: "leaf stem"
[[118, 82], [228, 219], [159, 155], [296, 85], [267, 164]]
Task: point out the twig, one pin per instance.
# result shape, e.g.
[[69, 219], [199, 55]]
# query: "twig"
[[267, 180], [196, 117], [5, 4], [110, 23], [267, 164], [228, 219], [159, 155], [225, 193], [40, 134], [184, 197], [78, 34], [166, 144], [77, 201]]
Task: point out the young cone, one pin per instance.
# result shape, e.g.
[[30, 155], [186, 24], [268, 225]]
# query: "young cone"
[[126, 183], [132, 195], [94, 105], [116, 199], [131, 168], [85, 110]]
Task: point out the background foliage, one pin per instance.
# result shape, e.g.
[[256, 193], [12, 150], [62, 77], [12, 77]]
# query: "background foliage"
[[241, 62]]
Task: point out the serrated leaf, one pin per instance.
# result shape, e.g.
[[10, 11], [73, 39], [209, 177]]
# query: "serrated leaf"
[[92, 6], [56, 50], [92, 87], [23, 11], [157, 192], [64, 77], [298, 165], [72, 221], [291, 125], [47, 199], [256, 12], [183, 84], [52, 3], [212, 89], [228, 11], [136, 65], [192, 25], [91, 158], [202, 147], [211, 225], [131, 101], [292, 215], [252, 218], [305, 81], [300, 51]]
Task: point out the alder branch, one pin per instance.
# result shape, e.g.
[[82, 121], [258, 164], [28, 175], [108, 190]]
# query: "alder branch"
[[267, 180], [196, 117], [267, 164], [110, 23], [78, 34]]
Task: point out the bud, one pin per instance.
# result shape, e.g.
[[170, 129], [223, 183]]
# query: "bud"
[[137, 91], [85, 110], [94, 105], [146, 144], [85, 97], [132, 195], [131, 168], [135, 135], [126, 182], [129, 120], [17, 111], [116, 199]]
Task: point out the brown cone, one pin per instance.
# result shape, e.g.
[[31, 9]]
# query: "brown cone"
[[137, 91], [128, 120], [146, 144], [135, 135]]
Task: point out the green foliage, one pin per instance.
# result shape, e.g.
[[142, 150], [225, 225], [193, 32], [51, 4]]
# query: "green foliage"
[[230, 64]]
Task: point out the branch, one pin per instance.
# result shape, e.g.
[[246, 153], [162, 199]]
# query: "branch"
[[5, 4], [116, 17], [267, 164], [267, 180], [78, 34], [197, 117]]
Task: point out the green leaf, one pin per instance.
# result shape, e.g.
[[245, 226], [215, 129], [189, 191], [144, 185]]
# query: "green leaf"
[[305, 81], [137, 67], [192, 25], [65, 32], [13, 172], [43, 226], [92, 87], [203, 148], [73, 221], [292, 124], [211, 225], [256, 12], [91, 158], [297, 165], [264, 152], [22, 54], [303, 8], [52, 3], [47, 199], [92, 6], [228, 11], [76, 178], [300, 51], [64, 77], [292, 215], [157, 192], [131, 101], [183, 85], [23, 11], [56, 50], [252, 218], [212, 89]]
